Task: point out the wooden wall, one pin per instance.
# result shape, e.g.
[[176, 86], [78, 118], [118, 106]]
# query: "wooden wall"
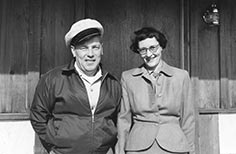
[[32, 42], [121, 18], [227, 36], [212, 52], [213, 69], [19, 56]]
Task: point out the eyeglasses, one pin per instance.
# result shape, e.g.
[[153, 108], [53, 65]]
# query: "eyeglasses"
[[94, 48], [153, 49]]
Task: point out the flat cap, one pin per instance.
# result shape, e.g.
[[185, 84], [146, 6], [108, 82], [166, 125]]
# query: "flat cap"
[[83, 29]]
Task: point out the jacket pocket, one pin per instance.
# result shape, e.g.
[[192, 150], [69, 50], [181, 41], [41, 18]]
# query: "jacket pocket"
[[105, 132], [141, 136], [66, 130], [171, 137]]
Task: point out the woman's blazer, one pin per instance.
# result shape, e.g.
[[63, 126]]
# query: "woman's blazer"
[[161, 110]]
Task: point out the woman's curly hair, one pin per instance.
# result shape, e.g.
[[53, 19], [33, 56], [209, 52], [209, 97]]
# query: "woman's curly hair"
[[147, 32]]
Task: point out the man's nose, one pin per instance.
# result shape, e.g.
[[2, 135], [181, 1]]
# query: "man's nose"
[[90, 52]]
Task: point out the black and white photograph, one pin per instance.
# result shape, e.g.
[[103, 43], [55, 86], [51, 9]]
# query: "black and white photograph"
[[117, 76]]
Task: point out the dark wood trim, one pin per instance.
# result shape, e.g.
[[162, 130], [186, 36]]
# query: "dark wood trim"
[[14, 116], [182, 59], [217, 111], [187, 31]]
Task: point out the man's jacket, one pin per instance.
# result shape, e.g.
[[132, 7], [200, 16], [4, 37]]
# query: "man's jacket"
[[61, 116]]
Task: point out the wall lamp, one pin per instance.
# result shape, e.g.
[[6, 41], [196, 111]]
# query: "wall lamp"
[[211, 16]]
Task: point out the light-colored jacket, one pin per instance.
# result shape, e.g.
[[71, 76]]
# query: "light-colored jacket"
[[162, 110]]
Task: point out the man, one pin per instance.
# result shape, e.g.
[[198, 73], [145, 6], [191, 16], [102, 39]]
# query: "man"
[[75, 107]]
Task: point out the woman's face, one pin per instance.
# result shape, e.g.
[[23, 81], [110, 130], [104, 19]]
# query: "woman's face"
[[150, 51]]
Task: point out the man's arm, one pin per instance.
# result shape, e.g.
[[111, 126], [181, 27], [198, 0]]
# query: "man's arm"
[[40, 111]]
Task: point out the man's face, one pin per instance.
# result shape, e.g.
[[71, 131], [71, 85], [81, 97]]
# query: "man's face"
[[88, 55], [150, 51]]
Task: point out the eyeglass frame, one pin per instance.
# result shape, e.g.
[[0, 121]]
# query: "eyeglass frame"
[[153, 49]]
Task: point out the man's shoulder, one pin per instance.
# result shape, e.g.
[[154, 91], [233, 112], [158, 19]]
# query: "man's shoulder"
[[53, 73], [112, 77], [180, 72]]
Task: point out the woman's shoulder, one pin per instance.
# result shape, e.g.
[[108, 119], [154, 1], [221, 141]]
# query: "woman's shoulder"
[[177, 71]]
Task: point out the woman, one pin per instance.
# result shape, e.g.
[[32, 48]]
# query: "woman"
[[157, 112]]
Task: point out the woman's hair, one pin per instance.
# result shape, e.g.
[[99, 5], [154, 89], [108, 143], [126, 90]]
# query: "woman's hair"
[[147, 32]]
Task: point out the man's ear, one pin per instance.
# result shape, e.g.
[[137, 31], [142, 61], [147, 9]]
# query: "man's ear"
[[102, 52], [72, 48]]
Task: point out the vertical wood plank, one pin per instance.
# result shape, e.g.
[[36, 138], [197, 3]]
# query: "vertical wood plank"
[[35, 14], [209, 134], [14, 38], [186, 16], [204, 57], [227, 54], [3, 29], [17, 36], [48, 44], [56, 20], [14, 56], [80, 9], [12, 93], [64, 16], [118, 26], [122, 18], [2, 44], [4, 53], [232, 56]]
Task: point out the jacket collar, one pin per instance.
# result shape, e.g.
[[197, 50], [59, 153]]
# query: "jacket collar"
[[165, 69], [70, 67]]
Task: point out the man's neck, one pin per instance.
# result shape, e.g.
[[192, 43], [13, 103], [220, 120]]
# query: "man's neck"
[[90, 73]]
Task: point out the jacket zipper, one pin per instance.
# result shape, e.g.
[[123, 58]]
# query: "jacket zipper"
[[92, 123], [92, 117]]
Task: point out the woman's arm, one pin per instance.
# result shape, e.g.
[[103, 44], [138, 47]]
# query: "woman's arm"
[[124, 119]]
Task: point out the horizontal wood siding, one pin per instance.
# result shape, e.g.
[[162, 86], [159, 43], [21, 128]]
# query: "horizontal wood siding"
[[19, 54]]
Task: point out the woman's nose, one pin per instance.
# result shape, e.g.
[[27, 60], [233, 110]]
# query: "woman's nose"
[[149, 53]]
